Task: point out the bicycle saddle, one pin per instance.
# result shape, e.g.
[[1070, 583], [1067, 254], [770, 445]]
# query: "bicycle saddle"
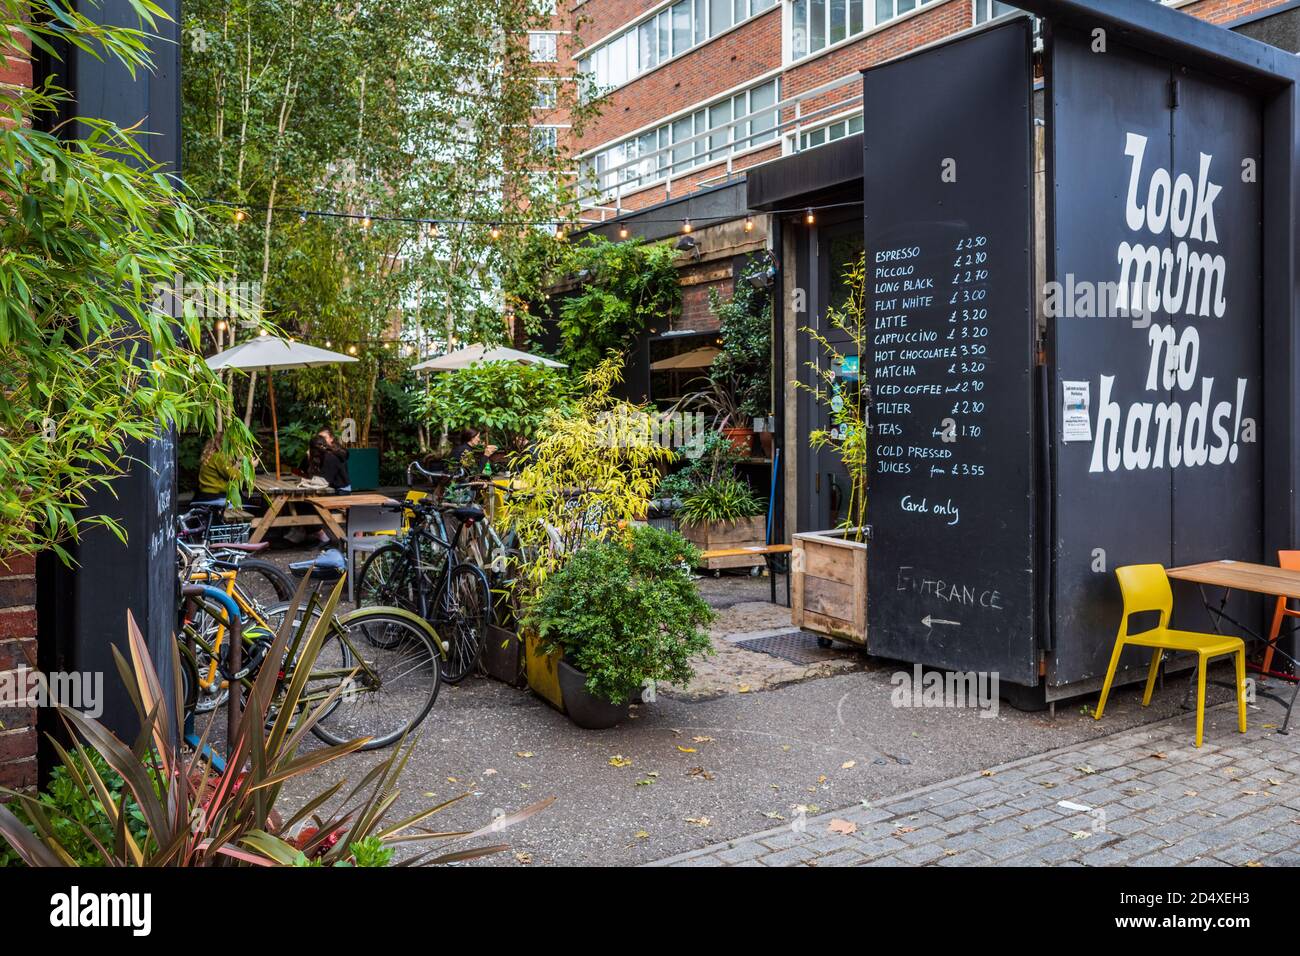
[[326, 566], [466, 512], [244, 546]]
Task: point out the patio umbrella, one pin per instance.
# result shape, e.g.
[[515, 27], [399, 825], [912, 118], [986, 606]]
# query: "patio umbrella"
[[269, 353], [470, 354], [695, 358]]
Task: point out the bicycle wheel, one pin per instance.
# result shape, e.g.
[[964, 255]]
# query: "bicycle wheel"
[[396, 688], [262, 582], [464, 610], [386, 580]]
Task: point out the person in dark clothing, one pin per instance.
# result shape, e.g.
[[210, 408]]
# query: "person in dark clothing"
[[469, 452], [327, 459]]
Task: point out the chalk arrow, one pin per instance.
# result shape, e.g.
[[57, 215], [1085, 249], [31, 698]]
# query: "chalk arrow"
[[928, 621]]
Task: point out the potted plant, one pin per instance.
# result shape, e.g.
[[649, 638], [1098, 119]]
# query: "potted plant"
[[743, 368], [623, 613], [828, 585], [716, 509], [588, 475]]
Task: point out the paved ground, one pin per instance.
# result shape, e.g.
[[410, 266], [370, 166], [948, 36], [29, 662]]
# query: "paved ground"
[[1143, 797], [756, 742]]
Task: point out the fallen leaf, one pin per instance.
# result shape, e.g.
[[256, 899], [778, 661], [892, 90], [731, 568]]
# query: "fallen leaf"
[[489, 772], [949, 852], [842, 826], [1085, 769], [1269, 726], [686, 750], [986, 773], [698, 821], [905, 830], [1045, 784], [524, 858], [1254, 863], [702, 740], [744, 688], [525, 754], [652, 773], [848, 765], [644, 783], [642, 835], [1080, 834], [1274, 782], [430, 795], [785, 746], [618, 760], [773, 815], [1250, 793], [699, 772], [821, 778], [1189, 793], [1159, 755], [453, 780]]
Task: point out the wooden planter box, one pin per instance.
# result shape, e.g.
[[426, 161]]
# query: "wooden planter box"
[[721, 535], [828, 585]]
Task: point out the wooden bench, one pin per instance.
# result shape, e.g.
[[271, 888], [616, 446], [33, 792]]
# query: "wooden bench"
[[768, 552]]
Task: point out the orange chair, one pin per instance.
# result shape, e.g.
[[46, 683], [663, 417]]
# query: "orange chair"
[[1290, 560], [1145, 587]]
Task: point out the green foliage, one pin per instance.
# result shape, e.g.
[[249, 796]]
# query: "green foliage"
[[744, 365], [89, 363], [843, 397], [589, 473], [509, 400], [625, 611], [365, 108], [728, 499], [76, 816], [624, 287]]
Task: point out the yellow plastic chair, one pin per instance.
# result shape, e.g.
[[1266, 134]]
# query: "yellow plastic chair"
[[1146, 588]]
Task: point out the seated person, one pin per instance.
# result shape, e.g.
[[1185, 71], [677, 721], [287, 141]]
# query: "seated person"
[[216, 472], [328, 459]]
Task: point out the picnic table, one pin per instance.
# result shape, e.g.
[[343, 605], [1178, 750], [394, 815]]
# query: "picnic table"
[[291, 504], [1232, 576]]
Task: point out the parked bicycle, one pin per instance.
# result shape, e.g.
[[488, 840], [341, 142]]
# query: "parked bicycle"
[[423, 572], [386, 661]]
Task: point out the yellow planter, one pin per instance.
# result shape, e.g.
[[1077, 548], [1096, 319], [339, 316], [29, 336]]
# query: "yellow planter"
[[542, 671]]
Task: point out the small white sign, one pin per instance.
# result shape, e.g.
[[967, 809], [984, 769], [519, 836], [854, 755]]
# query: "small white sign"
[[1076, 419]]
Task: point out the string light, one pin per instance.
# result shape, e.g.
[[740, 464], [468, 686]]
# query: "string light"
[[263, 332], [328, 343], [352, 350], [687, 227], [808, 217], [365, 223], [622, 231], [240, 215], [495, 231], [749, 223], [559, 232], [221, 326]]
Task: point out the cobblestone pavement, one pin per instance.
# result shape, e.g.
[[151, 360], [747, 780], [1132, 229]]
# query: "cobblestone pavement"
[[1144, 796]]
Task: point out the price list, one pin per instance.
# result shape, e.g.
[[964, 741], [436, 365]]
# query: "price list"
[[947, 216]]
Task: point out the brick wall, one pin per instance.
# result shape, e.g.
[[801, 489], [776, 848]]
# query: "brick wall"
[[17, 654]]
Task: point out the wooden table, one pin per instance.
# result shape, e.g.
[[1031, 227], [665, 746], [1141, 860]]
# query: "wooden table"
[[282, 493], [333, 509], [1232, 576], [767, 552]]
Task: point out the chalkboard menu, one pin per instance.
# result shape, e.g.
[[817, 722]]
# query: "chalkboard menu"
[[948, 206]]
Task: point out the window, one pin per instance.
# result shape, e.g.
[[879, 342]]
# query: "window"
[[544, 96], [753, 113], [546, 138], [986, 10], [827, 134], [544, 8], [670, 32], [817, 24], [543, 47]]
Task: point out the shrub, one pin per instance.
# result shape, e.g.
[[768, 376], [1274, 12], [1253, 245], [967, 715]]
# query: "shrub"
[[626, 611], [728, 499]]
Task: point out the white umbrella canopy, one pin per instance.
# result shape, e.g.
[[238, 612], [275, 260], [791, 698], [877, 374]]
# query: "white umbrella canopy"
[[269, 353], [470, 354]]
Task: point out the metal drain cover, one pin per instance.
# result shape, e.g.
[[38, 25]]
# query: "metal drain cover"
[[797, 647]]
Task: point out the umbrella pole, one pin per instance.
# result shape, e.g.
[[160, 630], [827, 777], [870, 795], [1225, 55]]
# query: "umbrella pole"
[[275, 425]]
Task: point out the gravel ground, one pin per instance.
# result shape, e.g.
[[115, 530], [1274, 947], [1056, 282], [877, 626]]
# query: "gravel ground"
[[686, 773]]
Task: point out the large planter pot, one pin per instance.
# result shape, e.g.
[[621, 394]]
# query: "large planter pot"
[[583, 707], [828, 584], [503, 656], [542, 671], [728, 535], [742, 439]]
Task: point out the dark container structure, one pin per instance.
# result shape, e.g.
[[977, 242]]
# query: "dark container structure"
[[1082, 295]]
